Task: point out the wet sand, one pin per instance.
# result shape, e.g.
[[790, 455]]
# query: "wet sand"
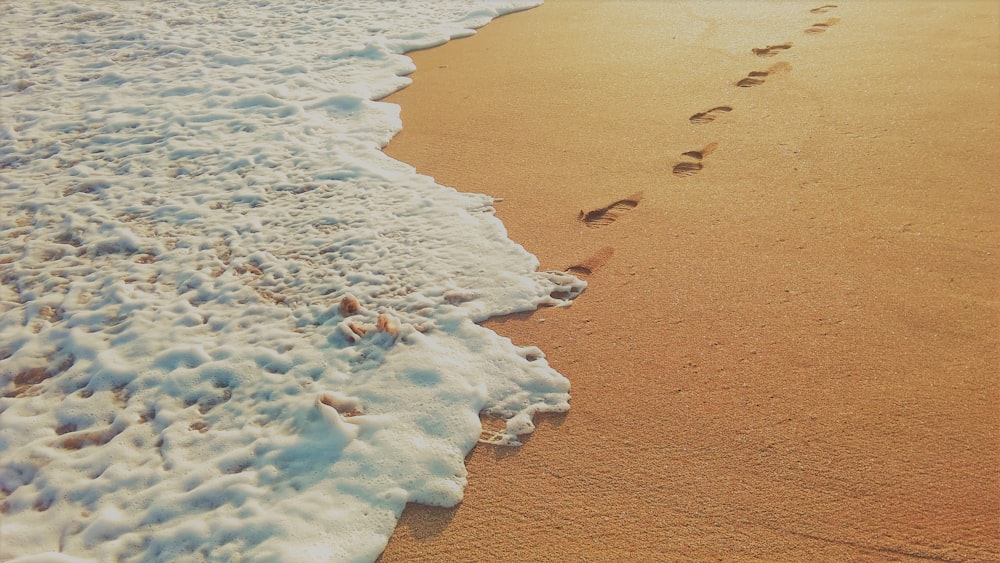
[[788, 349]]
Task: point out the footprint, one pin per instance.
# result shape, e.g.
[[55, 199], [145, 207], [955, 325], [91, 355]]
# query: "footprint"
[[756, 77], [771, 50], [689, 168], [822, 26], [823, 9], [708, 116], [592, 264], [609, 214]]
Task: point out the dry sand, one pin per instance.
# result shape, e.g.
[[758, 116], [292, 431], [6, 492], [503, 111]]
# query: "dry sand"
[[790, 353]]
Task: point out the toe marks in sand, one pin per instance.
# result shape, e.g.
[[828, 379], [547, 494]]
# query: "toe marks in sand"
[[683, 169], [823, 9], [709, 116], [693, 165], [771, 50], [610, 213], [753, 79], [756, 77], [821, 26]]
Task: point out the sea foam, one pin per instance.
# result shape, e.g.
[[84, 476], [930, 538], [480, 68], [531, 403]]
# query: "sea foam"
[[231, 328]]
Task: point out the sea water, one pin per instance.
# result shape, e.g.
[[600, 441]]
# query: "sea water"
[[231, 328]]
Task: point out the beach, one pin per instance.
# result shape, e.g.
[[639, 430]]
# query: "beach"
[[787, 217]]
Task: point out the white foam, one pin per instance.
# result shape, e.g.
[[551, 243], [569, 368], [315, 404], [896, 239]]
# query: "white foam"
[[230, 327]]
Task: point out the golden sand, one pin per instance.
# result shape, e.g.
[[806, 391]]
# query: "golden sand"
[[789, 346]]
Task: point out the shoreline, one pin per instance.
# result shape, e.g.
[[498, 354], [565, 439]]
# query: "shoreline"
[[788, 346]]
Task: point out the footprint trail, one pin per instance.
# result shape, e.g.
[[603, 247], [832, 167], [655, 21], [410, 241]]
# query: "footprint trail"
[[693, 161]]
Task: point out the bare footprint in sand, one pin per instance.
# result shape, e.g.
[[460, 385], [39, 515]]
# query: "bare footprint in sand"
[[692, 166], [610, 213], [592, 264], [823, 9], [771, 50], [709, 116], [756, 77], [822, 26]]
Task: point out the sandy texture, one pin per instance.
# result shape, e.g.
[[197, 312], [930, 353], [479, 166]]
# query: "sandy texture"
[[789, 348]]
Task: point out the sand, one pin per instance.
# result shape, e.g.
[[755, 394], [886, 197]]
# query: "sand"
[[789, 352]]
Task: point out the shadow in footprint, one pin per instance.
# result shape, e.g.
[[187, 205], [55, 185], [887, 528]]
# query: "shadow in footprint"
[[822, 26], [756, 77], [771, 50], [610, 213], [690, 167], [687, 168], [592, 264], [709, 116], [823, 9]]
